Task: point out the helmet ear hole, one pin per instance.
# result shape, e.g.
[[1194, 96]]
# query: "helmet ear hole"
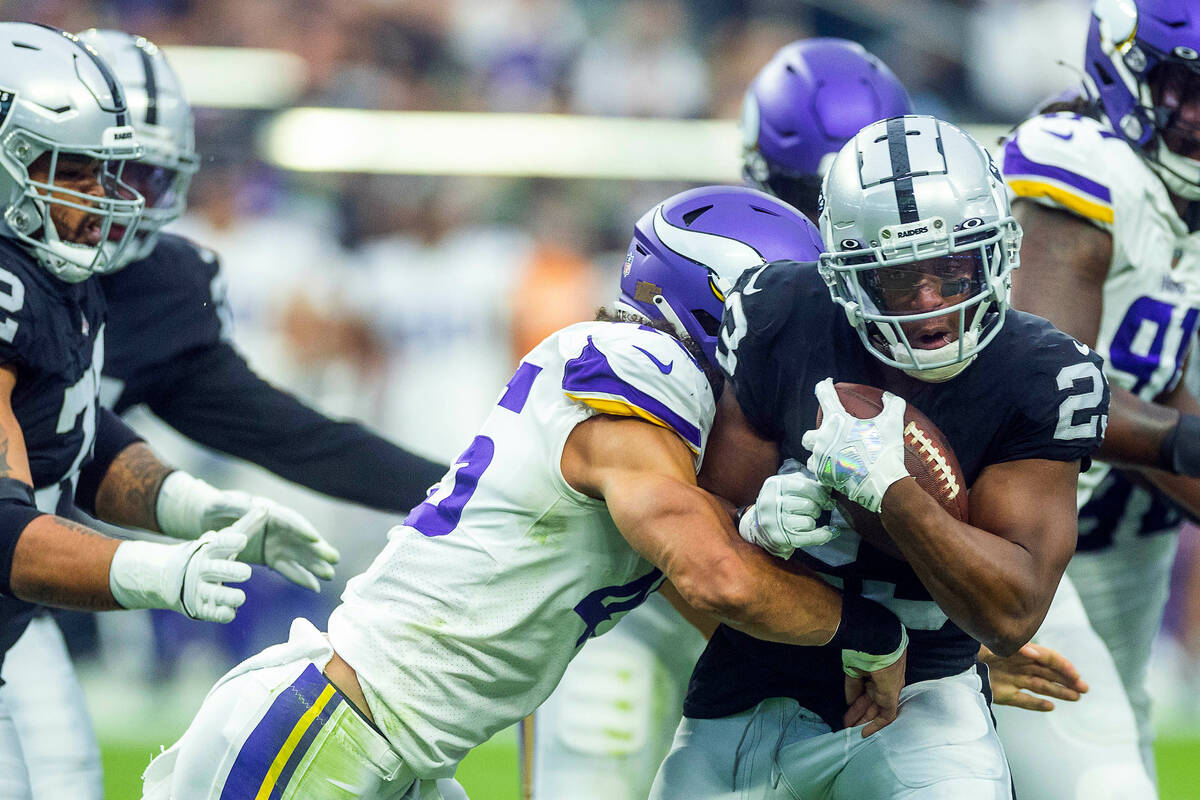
[[708, 323]]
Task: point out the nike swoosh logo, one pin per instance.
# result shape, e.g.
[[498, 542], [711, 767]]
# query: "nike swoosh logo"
[[1066, 137], [1082, 348], [751, 288], [665, 369]]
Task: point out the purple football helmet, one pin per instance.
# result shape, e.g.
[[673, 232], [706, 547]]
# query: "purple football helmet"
[[808, 101], [1144, 58], [688, 251]]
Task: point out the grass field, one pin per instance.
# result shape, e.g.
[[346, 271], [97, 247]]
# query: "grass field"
[[490, 772]]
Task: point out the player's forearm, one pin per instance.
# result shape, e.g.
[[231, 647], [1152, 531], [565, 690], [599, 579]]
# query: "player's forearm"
[[61, 563], [985, 583], [1136, 430], [128, 493], [743, 586]]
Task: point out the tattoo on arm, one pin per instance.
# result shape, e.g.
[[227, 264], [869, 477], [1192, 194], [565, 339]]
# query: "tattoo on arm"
[[129, 492], [61, 563], [5, 467]]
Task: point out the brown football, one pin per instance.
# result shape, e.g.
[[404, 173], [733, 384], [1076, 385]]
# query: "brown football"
[[927, 456]]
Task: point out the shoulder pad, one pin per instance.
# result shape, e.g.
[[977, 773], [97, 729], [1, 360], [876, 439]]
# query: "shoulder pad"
[[633, 370], [1070, 162]]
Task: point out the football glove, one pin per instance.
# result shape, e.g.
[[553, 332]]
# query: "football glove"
[[287, 543], [861, 458], [189, 577], [785, 515]]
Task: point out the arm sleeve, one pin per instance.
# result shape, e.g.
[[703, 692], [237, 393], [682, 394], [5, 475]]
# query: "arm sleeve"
[[112, 436], [219, 402]]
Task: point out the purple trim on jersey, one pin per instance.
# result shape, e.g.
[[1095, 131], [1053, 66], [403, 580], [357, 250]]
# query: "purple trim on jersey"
[[519, 386], [264, 743], [1016, 163], [590, 373]]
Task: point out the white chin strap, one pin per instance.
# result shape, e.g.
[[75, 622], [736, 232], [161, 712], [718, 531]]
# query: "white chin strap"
[[1181, 175], [970, 339]]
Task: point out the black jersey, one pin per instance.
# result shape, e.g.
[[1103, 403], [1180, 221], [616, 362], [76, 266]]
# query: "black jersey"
[[52, 334], [169, 348], [1033, 392], [161, 308]]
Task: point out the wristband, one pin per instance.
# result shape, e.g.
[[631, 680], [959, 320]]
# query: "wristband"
[[17, 510], [1180, 449], [870, 636]]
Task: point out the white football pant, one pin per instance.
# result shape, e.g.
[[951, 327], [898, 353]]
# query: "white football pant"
[[274, 726], [50, 716], [1086, 749], [942, 746], [1124, 591]]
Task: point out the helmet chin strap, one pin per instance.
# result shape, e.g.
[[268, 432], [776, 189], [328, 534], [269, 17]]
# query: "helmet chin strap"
[[670, 316]]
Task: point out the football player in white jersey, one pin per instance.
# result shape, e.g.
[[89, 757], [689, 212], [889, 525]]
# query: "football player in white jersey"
[[575, 501], [1107, 185], [602, 734]]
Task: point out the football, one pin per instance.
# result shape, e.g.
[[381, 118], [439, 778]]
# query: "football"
[[927, 456]]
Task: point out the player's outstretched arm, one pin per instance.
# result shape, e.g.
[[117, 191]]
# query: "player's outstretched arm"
[[216, 399], [133, 487], [645, 475], [53, 561]]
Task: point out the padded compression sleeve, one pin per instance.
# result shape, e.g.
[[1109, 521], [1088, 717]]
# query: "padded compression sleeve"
[[112, 436], [215, 399]]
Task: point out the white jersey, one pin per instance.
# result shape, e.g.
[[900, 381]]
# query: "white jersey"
[[1151, 300], [468, 618]]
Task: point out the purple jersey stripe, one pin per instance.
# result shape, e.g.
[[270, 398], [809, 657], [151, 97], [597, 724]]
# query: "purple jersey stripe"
[[1015, 163], [590, 373], [519, 386], [267, 739]]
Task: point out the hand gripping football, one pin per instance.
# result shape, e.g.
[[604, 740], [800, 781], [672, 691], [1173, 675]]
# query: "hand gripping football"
[[927, 457]]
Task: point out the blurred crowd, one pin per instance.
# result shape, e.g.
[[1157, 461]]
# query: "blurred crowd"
[[405, 300]]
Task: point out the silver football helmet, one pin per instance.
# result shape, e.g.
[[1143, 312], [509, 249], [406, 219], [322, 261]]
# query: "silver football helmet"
[[920, 244], [163, 120], [62, 107]]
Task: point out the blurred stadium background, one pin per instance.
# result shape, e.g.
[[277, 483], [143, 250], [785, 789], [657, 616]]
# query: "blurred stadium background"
[[407, 194]]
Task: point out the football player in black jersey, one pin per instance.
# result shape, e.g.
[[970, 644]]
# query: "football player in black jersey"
[[920, 244], [67, 215], [169, 348]]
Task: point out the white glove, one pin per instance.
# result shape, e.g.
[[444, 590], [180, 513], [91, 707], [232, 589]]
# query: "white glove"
[[288, 543], [189, 577], [785, 515], [860, 458]]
